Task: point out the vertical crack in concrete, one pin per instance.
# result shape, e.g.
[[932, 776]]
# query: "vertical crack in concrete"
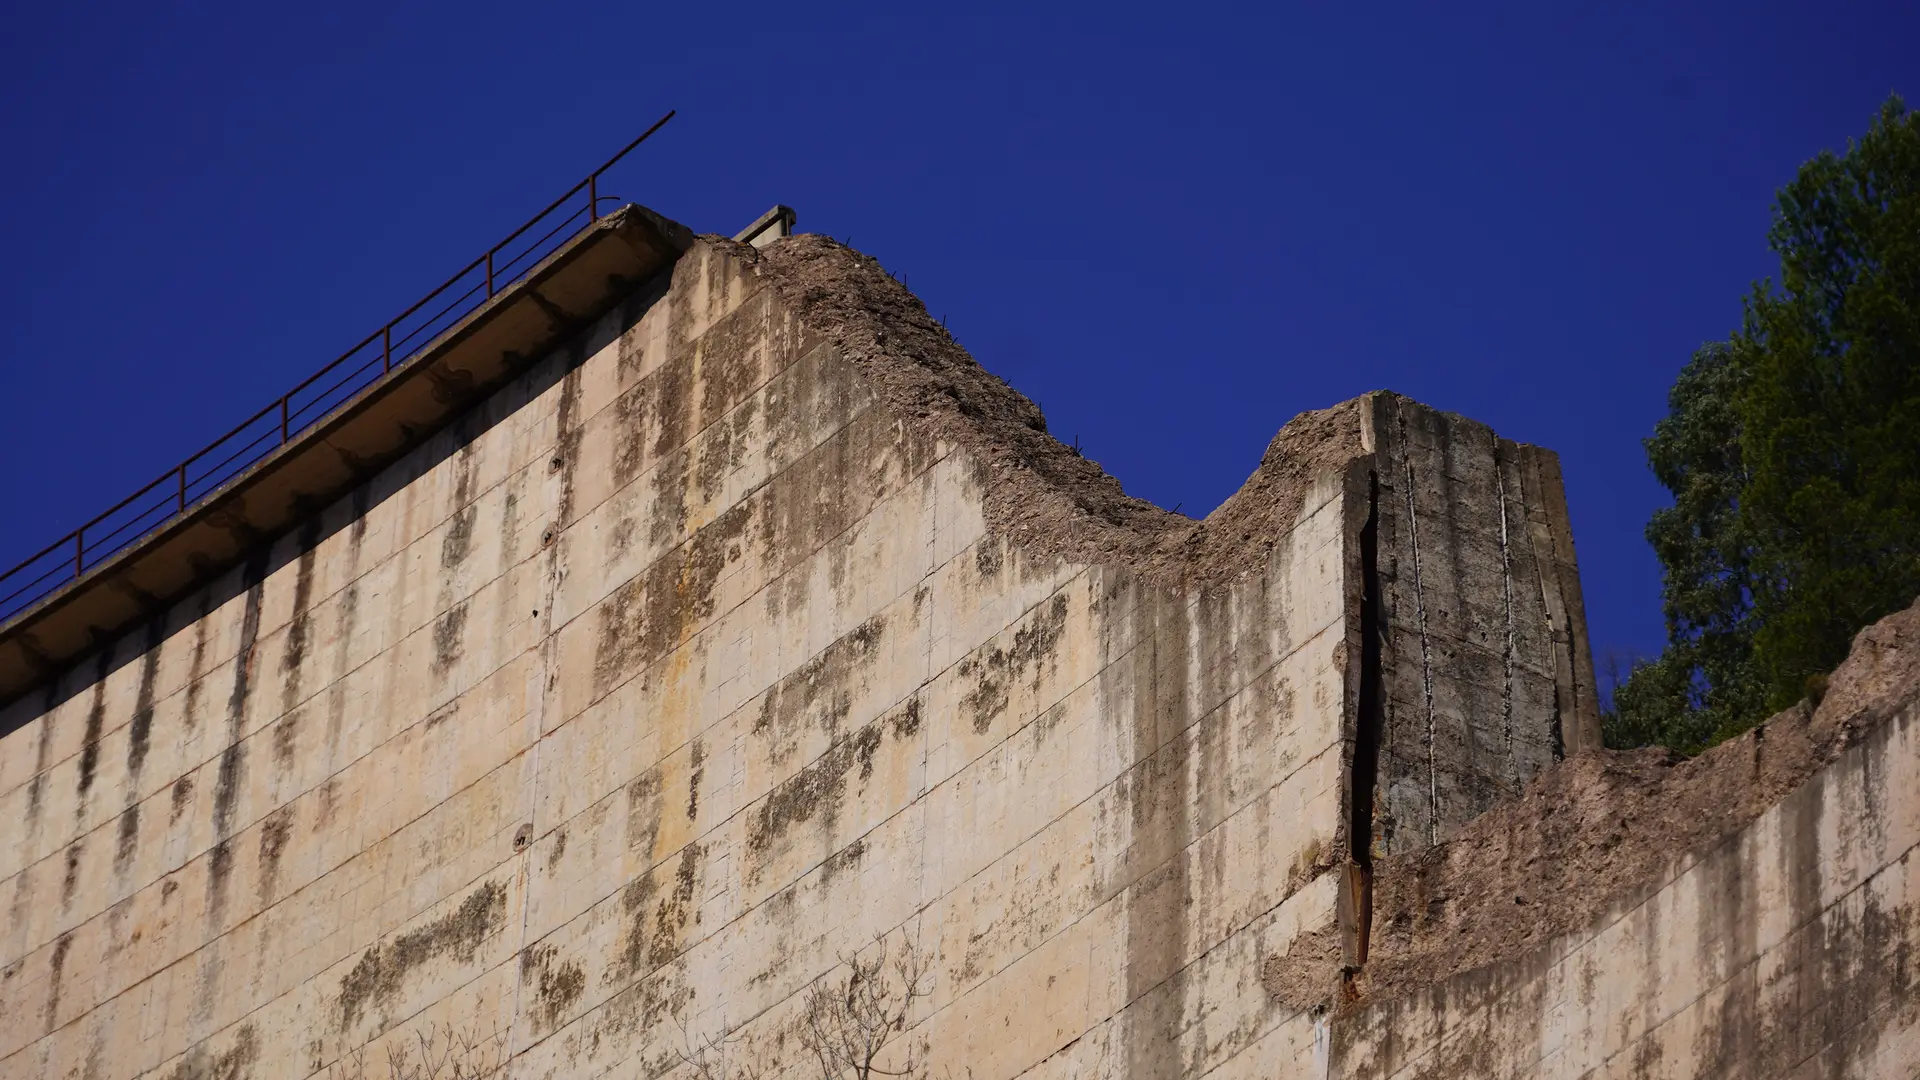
[[1426, 663], [1507, 646], [1369, 727]]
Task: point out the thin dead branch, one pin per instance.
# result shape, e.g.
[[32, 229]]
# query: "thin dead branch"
[[436, 1052], [855, 1024]]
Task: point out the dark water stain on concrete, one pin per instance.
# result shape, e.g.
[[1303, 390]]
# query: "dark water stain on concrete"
[[696, 771], [658, 915], [457, 542], [638, 1010], [989, 555], [196, 670], [286, 734], [447, 643], [140, 728], [650, 615], [556, 983], [819, 693], [182, 795], [328, 798], [226, 787], [42, 758], [1158, 796], [90, 740], [568, 429], [94, 1067], [631, 415], [644, 806], [815, 791], [127, 841], [630, 356], [71, 880], [22, 893], [300, 623], [337, 694], [667, 509], [845, 861], [993, 669], [906, 722], [559, 848], [676, 910], [233, 760], [458, 934], [57, 965], [274, 831], [234, 1063], [636, 900], [219, 871]]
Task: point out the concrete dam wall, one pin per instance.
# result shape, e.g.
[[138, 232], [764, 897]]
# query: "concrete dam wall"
[[754, 630]]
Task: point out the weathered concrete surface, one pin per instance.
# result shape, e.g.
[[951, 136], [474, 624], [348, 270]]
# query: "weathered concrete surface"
[[1487, 677], [1744, 913], [460, 366], [1787, 950], [753, 624]]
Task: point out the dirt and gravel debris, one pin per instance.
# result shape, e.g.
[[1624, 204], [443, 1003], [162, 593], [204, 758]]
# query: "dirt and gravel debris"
[[1606, 828], [1040, 492]]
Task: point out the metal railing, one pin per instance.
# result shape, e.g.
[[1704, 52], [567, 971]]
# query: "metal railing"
[[357, 370]]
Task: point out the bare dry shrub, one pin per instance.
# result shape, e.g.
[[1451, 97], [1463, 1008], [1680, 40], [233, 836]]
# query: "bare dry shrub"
[[437, 1052], [852, 1025]]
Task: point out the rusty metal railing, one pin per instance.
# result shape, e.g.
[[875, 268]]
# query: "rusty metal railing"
[[356, 371]]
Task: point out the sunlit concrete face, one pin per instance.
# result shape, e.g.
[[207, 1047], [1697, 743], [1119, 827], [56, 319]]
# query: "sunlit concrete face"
[[611, 719], [1785, 950]]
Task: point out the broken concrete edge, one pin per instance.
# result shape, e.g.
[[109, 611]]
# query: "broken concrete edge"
[[1041, 493], [1051, 502], [775, 224], [36, 645], [1596, 835]]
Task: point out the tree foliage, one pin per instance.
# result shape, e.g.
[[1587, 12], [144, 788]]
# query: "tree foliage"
[[1792, 451]]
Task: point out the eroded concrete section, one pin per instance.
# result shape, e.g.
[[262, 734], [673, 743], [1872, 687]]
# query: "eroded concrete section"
[[756, 623]]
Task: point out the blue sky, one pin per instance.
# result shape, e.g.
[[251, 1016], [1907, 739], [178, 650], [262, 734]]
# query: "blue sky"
[[1173, 226]]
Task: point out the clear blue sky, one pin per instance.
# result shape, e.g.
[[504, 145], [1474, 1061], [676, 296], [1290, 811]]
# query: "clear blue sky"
[[1174, 226]]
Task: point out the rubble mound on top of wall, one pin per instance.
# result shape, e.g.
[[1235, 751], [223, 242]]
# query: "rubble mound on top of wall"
[[1607, 827], [1044, 494]]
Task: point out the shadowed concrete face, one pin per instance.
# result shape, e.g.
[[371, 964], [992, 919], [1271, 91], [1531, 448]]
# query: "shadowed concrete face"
[[750, 625]]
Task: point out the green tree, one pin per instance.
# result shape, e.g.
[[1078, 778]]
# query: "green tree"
[[1792, 451]]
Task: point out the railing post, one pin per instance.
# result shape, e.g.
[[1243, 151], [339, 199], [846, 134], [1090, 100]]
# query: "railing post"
[[593, 198], [283, 419], [489, 273], [79, 550], [183, 488], [386, 348]]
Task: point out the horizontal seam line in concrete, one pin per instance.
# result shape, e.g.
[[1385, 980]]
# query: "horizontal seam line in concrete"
[[717, 616], [1021, 842], [1566, 954], [266, 723], [905, 485], [943, 669], [747, 807], [1755, 959], [714, 621], [1196, 959], [666, 858], [440, 521]]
